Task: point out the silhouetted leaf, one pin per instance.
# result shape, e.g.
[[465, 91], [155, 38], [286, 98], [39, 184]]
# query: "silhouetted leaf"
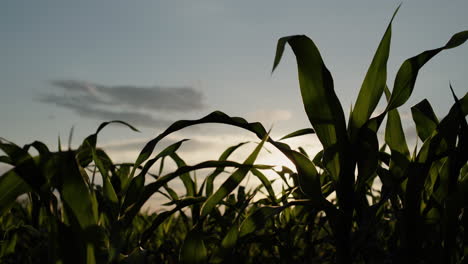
[[193, 250]]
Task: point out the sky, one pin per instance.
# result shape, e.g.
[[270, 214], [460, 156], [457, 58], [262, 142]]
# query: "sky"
[[76, 64]]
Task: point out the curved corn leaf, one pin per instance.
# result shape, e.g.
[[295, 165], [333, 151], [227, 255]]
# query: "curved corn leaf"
[[266, 183], [154, 187], [210, 178], [104, 124], [74, 191], [298, 159], [318, 95], [180, 204], [445, 137], [11, 186], [214, 117], [103, 163], [24, 165], [137, 183], [110, 206], [232, 182], [408, 72], [168, 151], [425, 119], [186, 179], [308, 178], [300, 132]]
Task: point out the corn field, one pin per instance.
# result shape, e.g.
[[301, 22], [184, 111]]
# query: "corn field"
[[361, 199]]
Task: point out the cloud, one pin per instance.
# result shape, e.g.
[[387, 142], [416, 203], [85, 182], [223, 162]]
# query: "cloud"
[[129, 103]]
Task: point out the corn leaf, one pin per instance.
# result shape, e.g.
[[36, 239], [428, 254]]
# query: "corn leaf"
[[266, 183], [193, 250], [301, 132], [374, 82], [232, 182], [137, 183], [302, 164], [320, 101], [224, 156], [154, 187], [227, 244], [11, 186], [161, 217], [394, 134], [186, 179], [408, 72], [425, 119], [24, 165], [257, 219], [74, 192]]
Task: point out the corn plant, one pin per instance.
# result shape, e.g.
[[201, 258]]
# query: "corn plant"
[[96, 222], [346, 148]]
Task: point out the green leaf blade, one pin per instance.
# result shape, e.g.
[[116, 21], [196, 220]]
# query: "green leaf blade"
[[374, 82], [193, 250], [408, 72], [232, 182]]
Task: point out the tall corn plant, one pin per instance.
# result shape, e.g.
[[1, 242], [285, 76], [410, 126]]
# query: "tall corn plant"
[[430, 184], [346, 148]]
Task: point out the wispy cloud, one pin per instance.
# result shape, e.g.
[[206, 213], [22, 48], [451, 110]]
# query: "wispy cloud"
[[137, 105]]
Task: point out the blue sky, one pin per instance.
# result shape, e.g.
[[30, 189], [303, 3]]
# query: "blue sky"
[[79, 63]]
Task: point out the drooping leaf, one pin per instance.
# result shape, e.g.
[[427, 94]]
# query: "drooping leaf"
[[24, 165], [103, 163], [214, 117], [301, 132], [319, 98], [221, 118], [408, 72], [424, 118], [11, 186]]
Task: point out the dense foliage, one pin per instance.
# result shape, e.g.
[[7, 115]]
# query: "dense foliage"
[[357, 201]]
